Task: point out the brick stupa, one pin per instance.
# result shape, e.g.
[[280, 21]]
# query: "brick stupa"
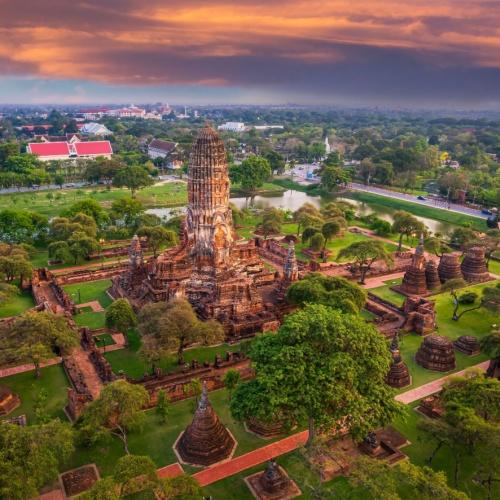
[[468, 344], [414, 279], [474, 267], [221, 275], [399, 375], [436, 353], [205, 441], [431, 275], [449, 267]]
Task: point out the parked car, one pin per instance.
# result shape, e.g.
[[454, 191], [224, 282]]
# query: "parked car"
[[422, 198], [485, 211]]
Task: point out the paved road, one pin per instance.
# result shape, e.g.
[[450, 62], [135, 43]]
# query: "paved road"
[[429, 202]]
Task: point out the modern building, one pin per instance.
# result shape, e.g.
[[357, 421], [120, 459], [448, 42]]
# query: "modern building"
[[232, 127], [63, 150], [94, 128], [160, 149]]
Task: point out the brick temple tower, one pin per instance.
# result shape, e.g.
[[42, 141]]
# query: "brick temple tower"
[[221, 275], [209, 223]]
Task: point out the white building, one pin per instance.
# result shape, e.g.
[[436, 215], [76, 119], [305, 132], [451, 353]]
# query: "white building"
[[232, 127], [328, 148], [268, 127], [94, 128]]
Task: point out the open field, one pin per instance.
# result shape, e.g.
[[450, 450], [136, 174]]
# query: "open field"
[[385, 292]]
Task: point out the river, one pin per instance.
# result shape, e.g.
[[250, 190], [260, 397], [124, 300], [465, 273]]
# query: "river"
[[292, 200]]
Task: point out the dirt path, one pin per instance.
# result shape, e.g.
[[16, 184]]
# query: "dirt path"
[[93, 304]]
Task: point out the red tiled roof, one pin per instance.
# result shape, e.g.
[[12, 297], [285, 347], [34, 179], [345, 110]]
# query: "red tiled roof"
[[166, 146], [93, 148], [49, 148]]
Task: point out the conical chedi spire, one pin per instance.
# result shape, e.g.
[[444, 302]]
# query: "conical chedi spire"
[[205, 441]]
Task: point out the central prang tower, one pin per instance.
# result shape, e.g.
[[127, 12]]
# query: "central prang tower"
[[209, 224]]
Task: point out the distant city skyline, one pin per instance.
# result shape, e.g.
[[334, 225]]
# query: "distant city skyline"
[[426, 54]]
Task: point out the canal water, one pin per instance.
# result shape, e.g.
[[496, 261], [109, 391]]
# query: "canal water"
[[292, 200]]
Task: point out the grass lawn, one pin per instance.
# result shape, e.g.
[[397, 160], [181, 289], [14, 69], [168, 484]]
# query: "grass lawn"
[[53, 380], [104, 340], [385, 292], [87, 292], [477, 323], [157, 439], [494, 267], [421, 210], [90, 319], [17, 304], [128, 361]]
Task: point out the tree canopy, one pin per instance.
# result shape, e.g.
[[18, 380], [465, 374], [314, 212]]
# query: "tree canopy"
[[322, 366]]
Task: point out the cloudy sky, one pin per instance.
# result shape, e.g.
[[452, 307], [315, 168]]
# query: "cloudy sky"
[[433, 53]]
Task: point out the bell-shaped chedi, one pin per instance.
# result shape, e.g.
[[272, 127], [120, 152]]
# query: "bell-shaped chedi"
[[414, 280], [436, 353], [467, 344], [474, 267], [449, 267], [399, 375], [8, 400], [432, 276], [205, 441]]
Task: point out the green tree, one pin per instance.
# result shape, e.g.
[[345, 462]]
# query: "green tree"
[[116, 411], [338, 370], [126, 210], [332, 291], [276, 161], [317, 242], [35, 336], [251, 173], [334, 177], [21, 226], [59, 251], [31, 457], [104, 489], [374, 479], [307, 216], [231, 379], [407, 225], [120, 315], [157, 237], [329, 230], [365, 253], [174, 326], [490, 298], [490, 345], [133, 177], [88, 207], [436, 246], [162, 405], [183, 487], [7, 292], [272, 220], [82, 246], [133, 473]]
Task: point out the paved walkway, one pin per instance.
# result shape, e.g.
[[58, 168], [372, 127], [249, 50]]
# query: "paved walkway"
[[377, 281], [172, 470], [224, 469], [434, 386], [7, 372], [95, 305]]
